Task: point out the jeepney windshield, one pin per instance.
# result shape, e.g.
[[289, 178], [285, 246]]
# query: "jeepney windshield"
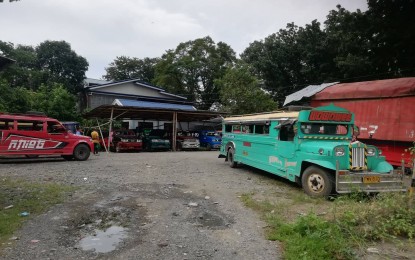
[[324, 129]]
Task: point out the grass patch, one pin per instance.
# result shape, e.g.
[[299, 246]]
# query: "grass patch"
[[353, 222], [34, 198]]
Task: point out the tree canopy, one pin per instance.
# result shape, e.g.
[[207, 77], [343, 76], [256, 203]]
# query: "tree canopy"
[[131, 68], [348, 46], [191, 69], [44, 78]]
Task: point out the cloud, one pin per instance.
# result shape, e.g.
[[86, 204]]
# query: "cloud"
[[101, 30]]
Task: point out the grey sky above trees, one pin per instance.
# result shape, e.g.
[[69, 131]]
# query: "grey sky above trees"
[[102, 30]]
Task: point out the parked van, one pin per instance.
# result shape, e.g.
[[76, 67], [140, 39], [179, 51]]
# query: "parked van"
[[35, 134]]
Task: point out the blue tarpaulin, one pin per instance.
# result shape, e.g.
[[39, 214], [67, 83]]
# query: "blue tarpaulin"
[[149, 104]]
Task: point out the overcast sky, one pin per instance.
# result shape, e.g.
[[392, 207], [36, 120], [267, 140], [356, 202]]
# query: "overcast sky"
[[101, 30]]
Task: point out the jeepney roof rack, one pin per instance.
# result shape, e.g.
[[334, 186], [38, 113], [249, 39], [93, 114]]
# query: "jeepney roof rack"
[[297, 108], [28, 113]]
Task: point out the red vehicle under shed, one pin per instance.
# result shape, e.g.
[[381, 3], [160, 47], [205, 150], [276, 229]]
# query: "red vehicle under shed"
[[384, 111]]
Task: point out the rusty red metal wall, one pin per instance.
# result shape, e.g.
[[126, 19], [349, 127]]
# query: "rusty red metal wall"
[[381, 119]]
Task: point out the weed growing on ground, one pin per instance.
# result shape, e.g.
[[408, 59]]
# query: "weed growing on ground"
[[18, 196], [356, 220]]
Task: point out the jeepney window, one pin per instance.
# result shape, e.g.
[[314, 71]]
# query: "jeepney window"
[[6, 124], [236, 128], [324, 129], [287, 132], [29, 125], [248, 129], [262, 129], [55, 128], [228, 128]]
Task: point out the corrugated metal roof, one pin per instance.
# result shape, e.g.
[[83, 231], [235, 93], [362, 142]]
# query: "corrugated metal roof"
[[307, 92], [148, 104], [142, 113], [369, 89], [91, 81], [4, 61], [94, 86]]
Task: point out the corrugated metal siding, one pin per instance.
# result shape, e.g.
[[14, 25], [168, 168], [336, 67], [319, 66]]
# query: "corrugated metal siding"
[[386, 119]]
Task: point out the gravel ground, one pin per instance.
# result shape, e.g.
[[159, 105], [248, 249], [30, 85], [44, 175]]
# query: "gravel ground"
[[181, 205]]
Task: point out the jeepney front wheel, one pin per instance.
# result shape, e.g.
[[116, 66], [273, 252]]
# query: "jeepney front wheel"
[[231, 158], [81, 152], [317, 182]]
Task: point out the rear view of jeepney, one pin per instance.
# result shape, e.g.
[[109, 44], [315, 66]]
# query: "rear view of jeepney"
[[332, 160]]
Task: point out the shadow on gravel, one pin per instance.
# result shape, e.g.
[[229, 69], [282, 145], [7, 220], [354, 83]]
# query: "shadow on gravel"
[[254, 171], [24, 160]]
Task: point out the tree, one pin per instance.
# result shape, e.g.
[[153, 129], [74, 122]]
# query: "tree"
[[317, 59], [277, 61], [348, 40], [23, 72], [191, 70], [14, 100], [240, 92], [392, 37], [61, 65], [55, 101], [131, 68]]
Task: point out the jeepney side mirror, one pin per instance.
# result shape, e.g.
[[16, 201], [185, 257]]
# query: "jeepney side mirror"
[[356, 131]]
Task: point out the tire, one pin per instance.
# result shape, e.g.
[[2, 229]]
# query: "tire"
[[179, 146], [117, 149], [231, 158], [208, 147], [317, 182], [81, 152]]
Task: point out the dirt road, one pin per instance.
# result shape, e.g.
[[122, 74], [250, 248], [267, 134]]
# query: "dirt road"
[[165, 205]]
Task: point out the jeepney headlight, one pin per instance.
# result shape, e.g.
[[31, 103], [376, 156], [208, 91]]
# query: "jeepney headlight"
[[139, 140], [339, 151], [371, 151], [124, 140], [321, 151], [380, 152]]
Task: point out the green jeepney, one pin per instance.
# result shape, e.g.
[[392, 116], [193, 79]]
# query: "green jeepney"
[[315, 148]]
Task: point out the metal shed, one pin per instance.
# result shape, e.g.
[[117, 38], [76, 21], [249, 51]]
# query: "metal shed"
[[137, 112]]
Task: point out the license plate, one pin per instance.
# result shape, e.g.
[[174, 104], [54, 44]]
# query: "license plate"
[[371, 179]]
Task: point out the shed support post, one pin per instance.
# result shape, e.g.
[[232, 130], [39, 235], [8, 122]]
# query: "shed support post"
[[174, 132], [110, 129], [100, 131]]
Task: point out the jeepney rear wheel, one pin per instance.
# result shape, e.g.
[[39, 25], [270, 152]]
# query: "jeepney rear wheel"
[[317, 182], [81, 152], [231, 159]]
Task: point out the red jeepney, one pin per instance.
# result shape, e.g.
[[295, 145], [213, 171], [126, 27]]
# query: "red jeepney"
[[35, 134]]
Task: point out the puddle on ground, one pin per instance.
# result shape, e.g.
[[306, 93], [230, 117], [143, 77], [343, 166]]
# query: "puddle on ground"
[[104, 241]]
